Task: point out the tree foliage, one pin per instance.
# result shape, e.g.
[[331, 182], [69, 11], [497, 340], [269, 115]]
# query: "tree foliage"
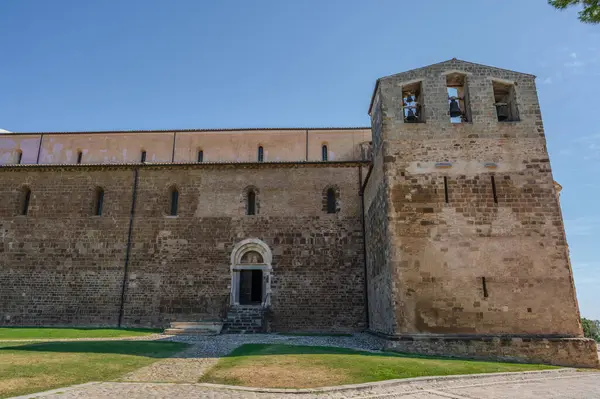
[[591, 328], [589, 14]]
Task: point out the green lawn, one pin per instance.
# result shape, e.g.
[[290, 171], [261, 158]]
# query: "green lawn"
[[34, 367], [288, 366], [8, 333]]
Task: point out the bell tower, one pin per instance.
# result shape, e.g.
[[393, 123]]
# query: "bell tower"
[[466, 249]]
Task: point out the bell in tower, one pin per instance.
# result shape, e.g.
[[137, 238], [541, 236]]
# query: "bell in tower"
[[454, 108]]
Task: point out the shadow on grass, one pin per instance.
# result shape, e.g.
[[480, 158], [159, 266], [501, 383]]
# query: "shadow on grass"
[[88, 328], [146, 330], [279, 349], [153, 349]]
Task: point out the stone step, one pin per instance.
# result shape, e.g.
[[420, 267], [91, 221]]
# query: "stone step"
[[244, 320], [195, 328], [188, 331], [196, 324]]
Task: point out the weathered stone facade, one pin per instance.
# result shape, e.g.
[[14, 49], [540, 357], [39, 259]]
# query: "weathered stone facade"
[[474, 229], [444, 235], [570, 352], [63, 265]]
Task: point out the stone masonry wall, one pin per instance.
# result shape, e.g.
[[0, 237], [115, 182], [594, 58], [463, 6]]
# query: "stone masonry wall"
[[379, 274], [442, 252], [569, 352], [61, 265]]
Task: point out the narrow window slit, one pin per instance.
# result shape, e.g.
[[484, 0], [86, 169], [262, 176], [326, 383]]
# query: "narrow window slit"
[[19, 156], [200, 156], [485, 291], [331, 201], [143, 158], [446, 189], [324, 154], [26, 199], [251, 205], [174, 202], [79, 156], [99, 202], [260, 154], [494, 190]]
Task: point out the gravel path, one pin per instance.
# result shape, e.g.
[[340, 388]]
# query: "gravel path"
[[221, 345], [188, 366]]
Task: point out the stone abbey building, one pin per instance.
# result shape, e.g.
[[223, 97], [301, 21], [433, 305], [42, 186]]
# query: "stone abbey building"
[[438, 228]]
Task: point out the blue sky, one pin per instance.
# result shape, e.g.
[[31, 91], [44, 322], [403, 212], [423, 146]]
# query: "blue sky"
[[81, 65]]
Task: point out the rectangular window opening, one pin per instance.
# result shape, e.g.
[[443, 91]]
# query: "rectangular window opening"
[[412, 103], [19, 157], [484, 285], [458, 98], [143, 158], [200, 156], [446, 189], [505, 102], [494, 189], [79, 157]]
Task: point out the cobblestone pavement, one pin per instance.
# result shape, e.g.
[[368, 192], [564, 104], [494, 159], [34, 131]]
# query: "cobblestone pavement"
[[568, 384]]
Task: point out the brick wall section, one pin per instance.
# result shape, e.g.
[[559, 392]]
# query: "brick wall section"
[[66, 266], [439, 252]]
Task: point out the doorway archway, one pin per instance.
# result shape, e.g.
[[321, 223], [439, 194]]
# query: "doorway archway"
[[251, 273]]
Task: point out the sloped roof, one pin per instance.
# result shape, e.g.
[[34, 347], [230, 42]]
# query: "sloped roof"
[[196, 130]]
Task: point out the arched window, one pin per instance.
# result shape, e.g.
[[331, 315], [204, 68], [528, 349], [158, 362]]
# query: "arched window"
[[331, 201], [324, 152], [174, 201], [25, 197], [79, 156], [200, 156], [143, 158], [99, 201], [251, 205], [261, 155], [19, 156]]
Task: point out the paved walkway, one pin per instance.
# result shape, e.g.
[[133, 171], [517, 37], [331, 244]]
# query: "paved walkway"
[[562, 384]]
